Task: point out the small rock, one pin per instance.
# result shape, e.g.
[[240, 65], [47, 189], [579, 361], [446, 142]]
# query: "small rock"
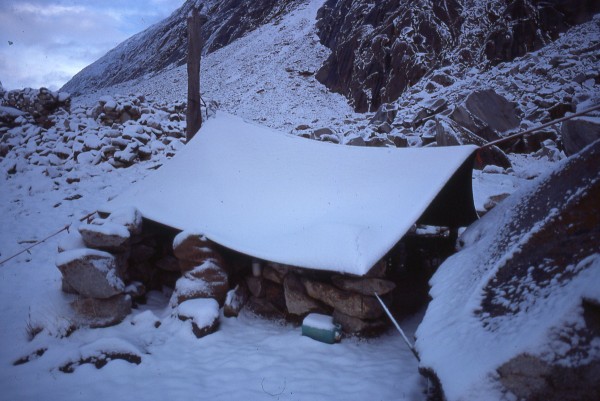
[[256, 286], [494, 200], [129, 217], [204, 314], [263, 308], [235, 301]]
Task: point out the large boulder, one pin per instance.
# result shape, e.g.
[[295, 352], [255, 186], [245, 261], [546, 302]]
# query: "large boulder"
[[579, 132], [91, 273], [486, 114], [450, 133], [516, 313]]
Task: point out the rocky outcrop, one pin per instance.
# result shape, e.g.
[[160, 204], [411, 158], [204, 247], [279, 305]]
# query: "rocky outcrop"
[[203, 314], [207, 280], [526, 281], [379, 49]]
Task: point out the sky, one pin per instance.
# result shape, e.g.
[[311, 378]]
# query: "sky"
[[43, 43]]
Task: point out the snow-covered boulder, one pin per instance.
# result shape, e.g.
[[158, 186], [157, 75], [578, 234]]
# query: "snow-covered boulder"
[[235, 301], [207, 280], [194, 248], [105, 235], [515, 314], [203, 313], [90, 272]]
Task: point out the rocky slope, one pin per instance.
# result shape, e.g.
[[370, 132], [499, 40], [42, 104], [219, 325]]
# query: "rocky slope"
[[381, 49], [165, 44], [378, 50]]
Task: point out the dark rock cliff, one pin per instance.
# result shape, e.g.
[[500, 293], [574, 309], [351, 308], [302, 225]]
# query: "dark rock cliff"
[[380, 49]]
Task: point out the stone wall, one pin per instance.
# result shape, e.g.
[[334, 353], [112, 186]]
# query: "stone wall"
[[111, 263]]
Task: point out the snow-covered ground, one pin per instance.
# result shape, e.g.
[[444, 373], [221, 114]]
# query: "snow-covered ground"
[[249, 357]]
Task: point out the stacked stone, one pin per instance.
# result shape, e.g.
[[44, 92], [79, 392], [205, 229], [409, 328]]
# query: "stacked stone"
[[203, 277], [120, 130], [287, 292], [39, 103], [93, 263]]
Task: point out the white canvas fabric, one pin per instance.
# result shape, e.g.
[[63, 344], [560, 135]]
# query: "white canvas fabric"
[[292, 200]]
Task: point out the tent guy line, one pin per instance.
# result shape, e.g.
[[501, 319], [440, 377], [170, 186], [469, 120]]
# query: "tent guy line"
[[36, 243]]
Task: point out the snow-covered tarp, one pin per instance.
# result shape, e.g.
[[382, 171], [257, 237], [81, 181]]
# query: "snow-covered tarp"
[[291, 200]]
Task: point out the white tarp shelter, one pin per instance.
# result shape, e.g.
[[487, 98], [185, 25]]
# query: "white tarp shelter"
[[301, 202]]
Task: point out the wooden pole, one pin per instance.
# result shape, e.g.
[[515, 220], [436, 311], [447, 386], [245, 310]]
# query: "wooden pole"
[[194, 113]]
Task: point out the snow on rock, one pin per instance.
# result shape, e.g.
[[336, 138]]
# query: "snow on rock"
[[204, 314], [235, 301], [515, 313], [129, 217], [208, 280], [105, 235], [90, 272]]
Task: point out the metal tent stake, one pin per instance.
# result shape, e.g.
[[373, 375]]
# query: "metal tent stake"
[[406, 340]]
